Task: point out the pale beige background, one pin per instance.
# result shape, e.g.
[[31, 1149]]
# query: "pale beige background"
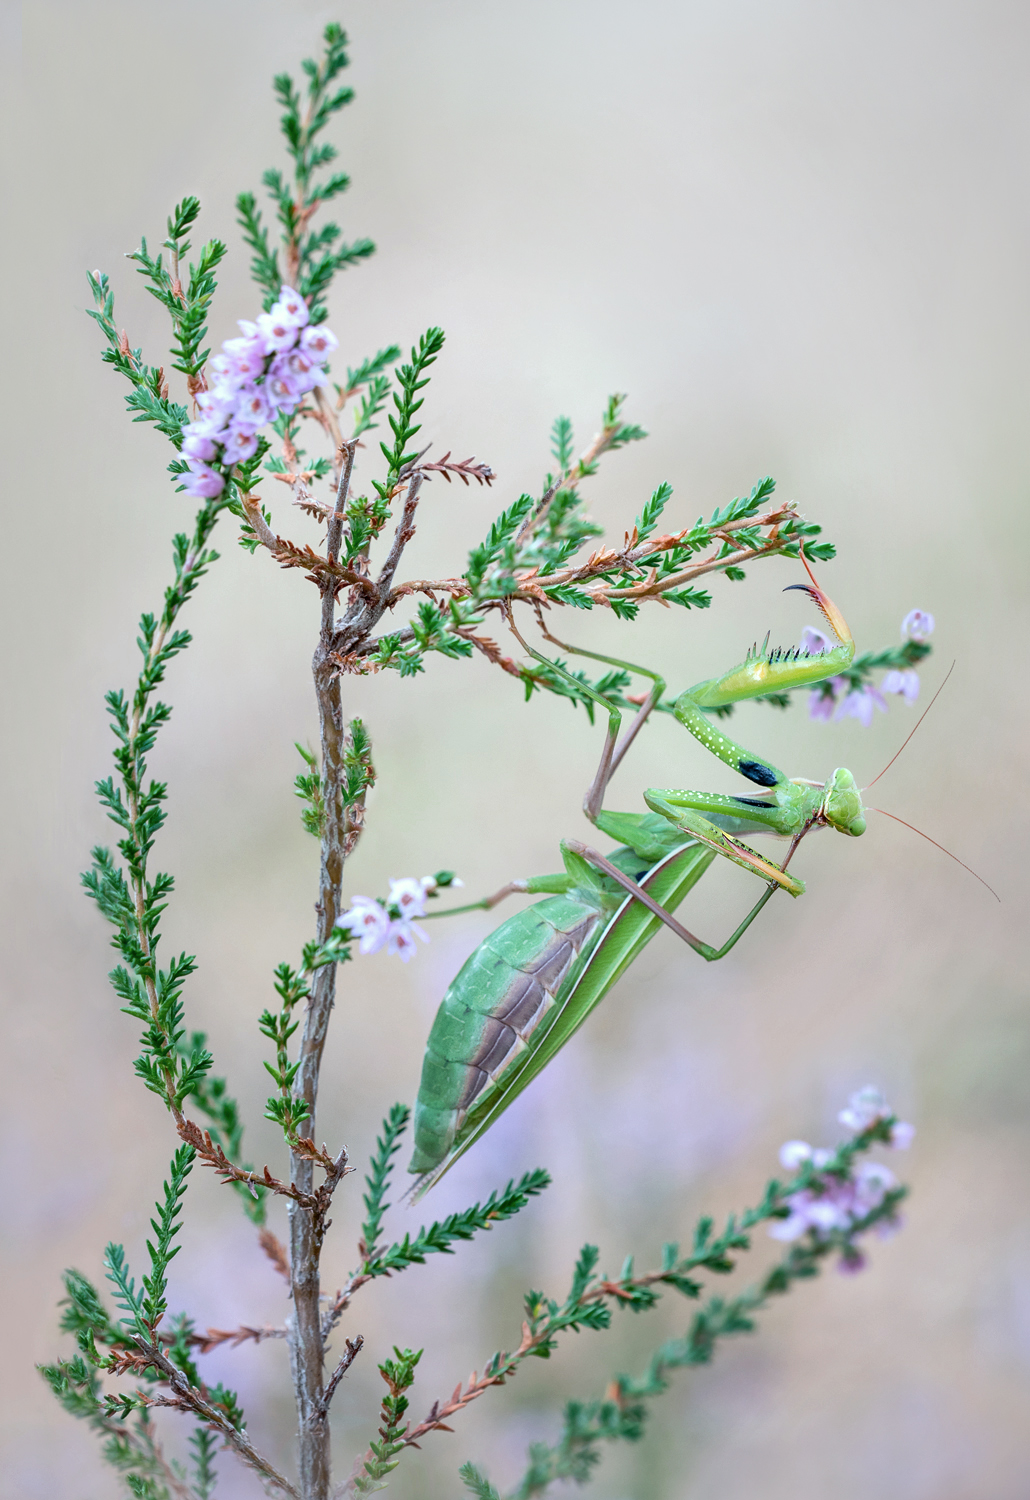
[[797, 234]]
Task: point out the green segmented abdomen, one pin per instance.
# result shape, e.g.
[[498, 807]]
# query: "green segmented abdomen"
[[491, 1010]]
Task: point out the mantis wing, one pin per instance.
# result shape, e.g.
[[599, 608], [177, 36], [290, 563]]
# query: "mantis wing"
[[628, 932]]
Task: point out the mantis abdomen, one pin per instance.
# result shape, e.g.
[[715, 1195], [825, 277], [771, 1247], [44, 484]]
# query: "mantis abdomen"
[[491, 1010]]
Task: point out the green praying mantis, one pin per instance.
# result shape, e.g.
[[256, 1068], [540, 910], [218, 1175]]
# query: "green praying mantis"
[[533, 982]]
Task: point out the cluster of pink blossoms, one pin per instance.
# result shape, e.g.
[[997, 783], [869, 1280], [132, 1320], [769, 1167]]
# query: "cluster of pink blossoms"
[[860, 702], [832, 1203], [390, 924], [268, 370]]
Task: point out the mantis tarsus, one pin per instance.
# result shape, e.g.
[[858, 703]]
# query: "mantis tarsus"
[[532, 983]]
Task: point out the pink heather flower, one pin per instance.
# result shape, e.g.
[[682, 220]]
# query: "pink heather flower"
[[277, 331], [247, 355], [301, 371], [282, 393], [240, 443], [859, 704], [367, 921], [253, 407], [215, 406], [902, 1135], [864, 1109], [794, 1154], [851, 1262], [292, 308], [197, 445], [872, 1183], [820, 704], [917, 625], [402, 939], [905, 682], [409, 897], [318, 342], [202, 481], [814, 642]]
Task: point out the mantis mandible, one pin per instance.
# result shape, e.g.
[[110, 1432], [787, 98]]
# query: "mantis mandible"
[[532, 983]]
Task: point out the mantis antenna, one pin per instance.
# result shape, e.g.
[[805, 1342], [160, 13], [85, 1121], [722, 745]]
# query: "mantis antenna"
[[883, 811], [934, 842], [922, 716]]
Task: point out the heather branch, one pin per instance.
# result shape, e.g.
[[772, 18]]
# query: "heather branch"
[[586, 1305], [186, 1397]]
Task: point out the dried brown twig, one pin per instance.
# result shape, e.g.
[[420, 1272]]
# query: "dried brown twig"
[[465, 469]]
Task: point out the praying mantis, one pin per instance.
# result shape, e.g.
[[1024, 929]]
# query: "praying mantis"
[[532, 983]]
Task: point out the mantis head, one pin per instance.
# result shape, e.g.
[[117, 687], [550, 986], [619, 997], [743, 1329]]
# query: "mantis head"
[[842, 804]]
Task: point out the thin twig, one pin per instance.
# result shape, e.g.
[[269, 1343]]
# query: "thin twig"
[[187, 1398], [347, 1358]]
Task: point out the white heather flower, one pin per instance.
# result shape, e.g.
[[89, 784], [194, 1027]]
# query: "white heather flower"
[[905, 682], [902, 1135], [864, 1109], [917, 625], [368, 921], [814, 642], [794, 1154], [401, 939], [409, 897]]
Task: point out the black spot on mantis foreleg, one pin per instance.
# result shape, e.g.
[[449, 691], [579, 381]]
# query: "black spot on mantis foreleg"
[[755, 771]]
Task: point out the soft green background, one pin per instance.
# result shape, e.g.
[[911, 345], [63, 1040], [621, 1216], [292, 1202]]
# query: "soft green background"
[[797, 234]]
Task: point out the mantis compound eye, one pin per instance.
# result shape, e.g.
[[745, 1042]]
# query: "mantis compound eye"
[[842, 807]]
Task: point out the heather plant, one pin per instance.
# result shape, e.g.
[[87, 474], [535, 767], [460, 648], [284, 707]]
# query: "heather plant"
[[260, 431]]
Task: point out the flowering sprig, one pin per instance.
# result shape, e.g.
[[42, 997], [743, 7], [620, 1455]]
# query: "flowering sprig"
[[853, 694], [593, 1296], [832, 1199], [390, 922], [263, 374]]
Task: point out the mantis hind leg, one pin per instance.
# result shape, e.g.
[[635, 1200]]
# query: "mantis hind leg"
[[706, 950]]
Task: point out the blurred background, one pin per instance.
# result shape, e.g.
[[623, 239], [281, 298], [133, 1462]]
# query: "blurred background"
[[797, 235]]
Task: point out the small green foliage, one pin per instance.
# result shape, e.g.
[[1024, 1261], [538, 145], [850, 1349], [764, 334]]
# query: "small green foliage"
[[477, 1484], [411, 378], [186, 300], [203, 1477], [161, 1250], [308, 787], [285, 1110], [647, 521], [312, 257], [561, 443], [441, 1236], [378, 1179], [382, 1459], [149, 398], [145, 1308]]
